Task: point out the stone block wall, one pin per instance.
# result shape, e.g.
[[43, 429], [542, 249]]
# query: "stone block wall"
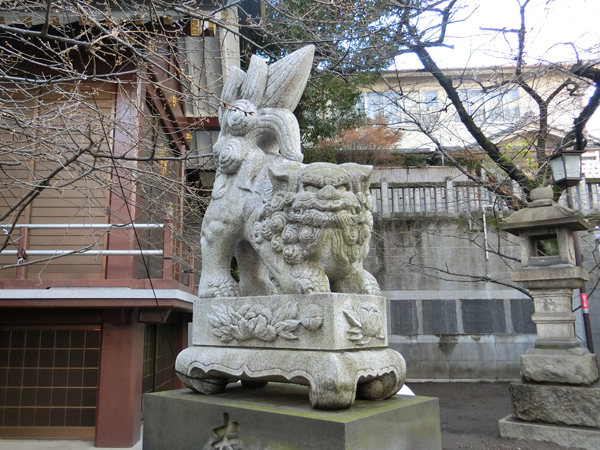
[[444, 315], [462, 337]]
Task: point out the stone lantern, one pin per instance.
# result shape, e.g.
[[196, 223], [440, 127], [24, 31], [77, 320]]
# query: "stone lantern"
[[549, 271], [557, 368]]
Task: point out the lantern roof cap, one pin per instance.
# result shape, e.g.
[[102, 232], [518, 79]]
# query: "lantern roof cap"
[[543, 212]]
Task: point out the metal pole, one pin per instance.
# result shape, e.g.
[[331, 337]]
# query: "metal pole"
[[82, 226], [582, 290], [84, 252]]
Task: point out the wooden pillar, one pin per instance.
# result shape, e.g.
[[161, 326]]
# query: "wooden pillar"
[[119, 407], [129, 102], [180, 343], [191, 271], [23, 246], [181, 212], [168, 248]]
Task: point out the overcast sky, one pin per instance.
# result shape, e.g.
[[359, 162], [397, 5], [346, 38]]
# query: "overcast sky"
[[551, 25]]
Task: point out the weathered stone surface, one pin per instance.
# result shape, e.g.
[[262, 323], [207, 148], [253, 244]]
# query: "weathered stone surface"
[[278, 417], [307, 227], [477, 320], [553, 317], [557, 404], [335, 378], [569, 437], [330, 321], [552, 277], [296, 231], [404, 317], [573, 366], [439, 317], [521, 310], [544, 217]]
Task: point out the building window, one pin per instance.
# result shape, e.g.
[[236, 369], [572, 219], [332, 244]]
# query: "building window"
[[384, 105], [428, 107], [496, 106], [590, 165], [510, 105], [472, 101]]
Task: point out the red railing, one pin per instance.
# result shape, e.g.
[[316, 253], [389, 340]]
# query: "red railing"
[[174, 266]]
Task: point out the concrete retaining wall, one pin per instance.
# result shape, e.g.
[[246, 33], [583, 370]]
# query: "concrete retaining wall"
[[443, 316]]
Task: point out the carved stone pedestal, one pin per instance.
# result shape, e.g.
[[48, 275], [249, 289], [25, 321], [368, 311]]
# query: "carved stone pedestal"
[[566, 415], [557, 356], [334, 378], [567, 436], [553, 317], [569, 366], [557, 404], [334, 343], [278, 417]]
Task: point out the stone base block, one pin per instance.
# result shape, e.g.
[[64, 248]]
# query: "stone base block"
[[279, 417], [557, 404], [327, 321], [574, 366], [569, 437]]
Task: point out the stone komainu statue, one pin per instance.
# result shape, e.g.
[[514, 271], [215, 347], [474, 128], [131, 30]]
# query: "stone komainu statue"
[[306, 227], [294, 229]]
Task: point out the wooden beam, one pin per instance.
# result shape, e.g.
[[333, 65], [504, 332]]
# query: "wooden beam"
[[154, 315]]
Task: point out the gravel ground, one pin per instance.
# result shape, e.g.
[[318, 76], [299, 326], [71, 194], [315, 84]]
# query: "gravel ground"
[[470, 414]]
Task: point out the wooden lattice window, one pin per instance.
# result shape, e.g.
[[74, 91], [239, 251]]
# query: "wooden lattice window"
[[48, 380], [159, 361]]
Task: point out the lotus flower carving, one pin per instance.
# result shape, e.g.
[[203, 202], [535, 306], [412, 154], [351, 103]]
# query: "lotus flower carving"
[[365, 323], [263, 323]]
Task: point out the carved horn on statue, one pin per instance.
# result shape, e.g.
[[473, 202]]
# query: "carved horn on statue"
[[278, 131], [287, 79], [255, 82]]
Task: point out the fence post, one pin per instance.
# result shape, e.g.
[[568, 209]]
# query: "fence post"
[[473, 198], [385, 199], [395, 201], [417, 199], [450, 196], [584, 199], [438, 206], [484, 197], [517, 191], [22, 253], [594, 189], [374, 205]]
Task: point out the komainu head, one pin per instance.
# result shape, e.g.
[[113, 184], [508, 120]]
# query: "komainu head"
[[317, 210]]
